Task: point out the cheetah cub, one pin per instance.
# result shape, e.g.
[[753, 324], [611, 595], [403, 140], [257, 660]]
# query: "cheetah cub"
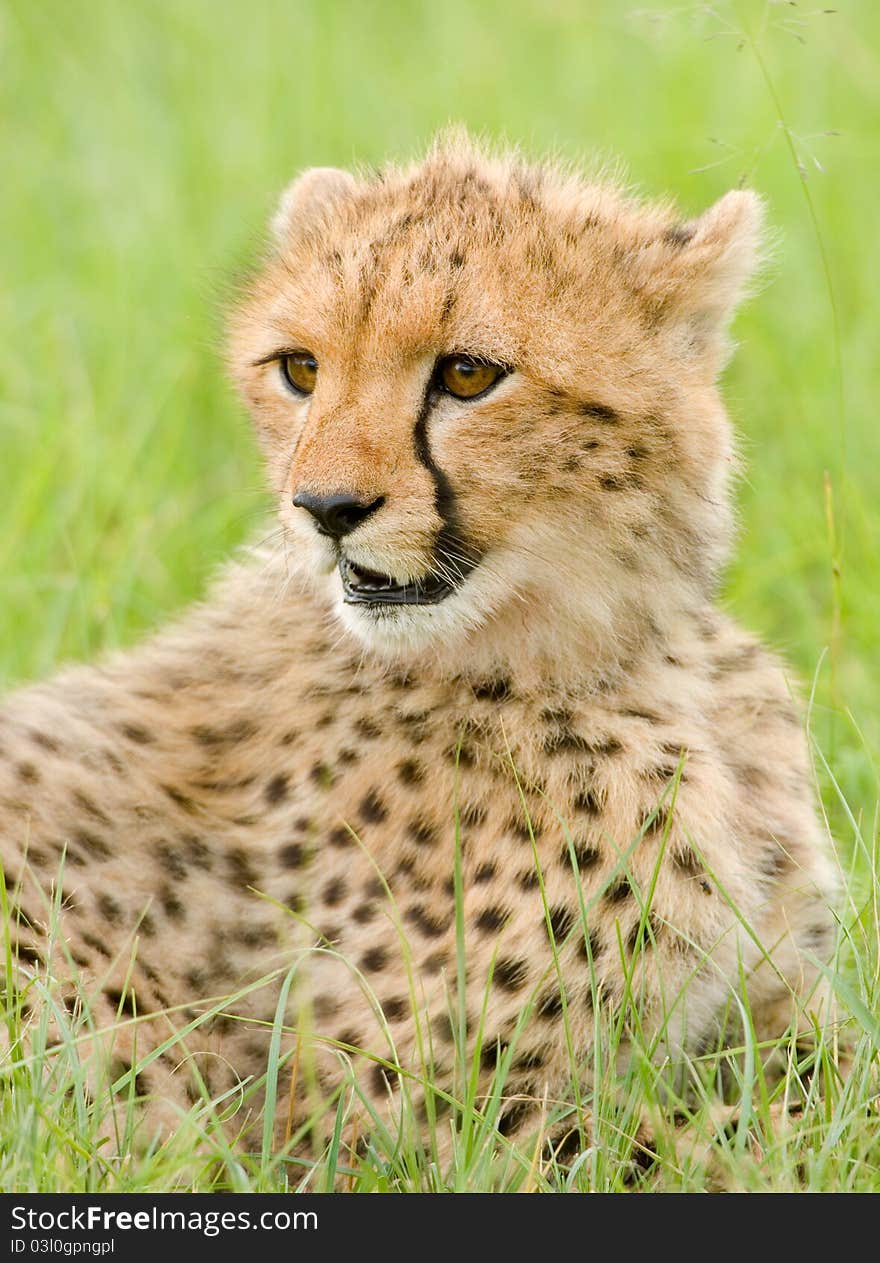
[[476, 692]]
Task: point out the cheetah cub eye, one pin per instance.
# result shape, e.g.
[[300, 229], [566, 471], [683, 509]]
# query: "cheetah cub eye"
[[466, 376], [300, 371]]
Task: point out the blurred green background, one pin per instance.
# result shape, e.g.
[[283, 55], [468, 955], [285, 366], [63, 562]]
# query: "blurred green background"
[[143, 146]]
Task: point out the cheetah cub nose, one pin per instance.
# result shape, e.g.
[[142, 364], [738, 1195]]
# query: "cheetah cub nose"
[[336, 515]]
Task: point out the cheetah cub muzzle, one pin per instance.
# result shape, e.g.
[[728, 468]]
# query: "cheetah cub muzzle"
[[478, 680]]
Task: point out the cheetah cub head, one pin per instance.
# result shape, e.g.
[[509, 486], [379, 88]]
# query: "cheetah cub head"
[[485, 390]]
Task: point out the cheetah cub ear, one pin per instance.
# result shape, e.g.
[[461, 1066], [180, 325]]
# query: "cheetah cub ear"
[[695, 273], [313, 193]]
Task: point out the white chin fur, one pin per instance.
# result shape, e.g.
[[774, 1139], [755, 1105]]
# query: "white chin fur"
[[403, 631]]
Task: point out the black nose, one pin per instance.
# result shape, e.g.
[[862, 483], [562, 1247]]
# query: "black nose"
[[336, 515]]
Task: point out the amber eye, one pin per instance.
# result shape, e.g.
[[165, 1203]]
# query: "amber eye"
[[465, 377], [300, 371]]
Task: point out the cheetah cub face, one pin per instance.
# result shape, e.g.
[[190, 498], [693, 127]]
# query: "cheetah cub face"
[[486, 395]]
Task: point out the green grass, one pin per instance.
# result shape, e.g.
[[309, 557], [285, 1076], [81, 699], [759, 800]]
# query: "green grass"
[[143, 147]]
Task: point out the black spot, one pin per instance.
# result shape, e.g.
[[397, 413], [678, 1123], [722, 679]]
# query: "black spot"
[[461, 754], [395, 1008], [435, 962], [415, 724], [550, 1004], [408, 868], [108, 908], [380, 1080], [678, 235], [198, 852], [817, 937], [513, 1117], [44, 741], [288, 738], [533, 1059], [340, 837], [293, 855], [597, 411], [375, 958], [611, 482], [661, 773], [136, 733], [586, 856], [276, 789], [345, 756], [177, 796], [749, 775], [492, 919], [364, 913], [485, 872], [524, 830], [472, 814], [241, 872], [567, 1147], [326, 1006], [528, 880], [493, 690], [685, 860], [373, 810], [30, 954], [334, 891], [423, 833], [423, 921], [511, 973], [28, 773], [491, 1053], [556, 715], [171, 905], [171, 861], [774, 861], [565, 740], [587, 802], [235, 732], [443, 1029], [367, 728], [561, 921], [410, 772], [737, 659], [96, 944], [90, 807], [349, 1036], [619, 891], [591, 948], [126, 1003], [635, 936], [96, 847], [322, 775], [657, 822]]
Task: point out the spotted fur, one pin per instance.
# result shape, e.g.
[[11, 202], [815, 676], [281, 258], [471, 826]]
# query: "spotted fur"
[[622, 766]]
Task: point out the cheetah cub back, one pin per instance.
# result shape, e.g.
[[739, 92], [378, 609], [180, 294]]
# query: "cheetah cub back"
[[480, 681]]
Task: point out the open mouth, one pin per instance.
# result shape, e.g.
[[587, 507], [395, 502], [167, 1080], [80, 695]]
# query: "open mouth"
[[368, 587]]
